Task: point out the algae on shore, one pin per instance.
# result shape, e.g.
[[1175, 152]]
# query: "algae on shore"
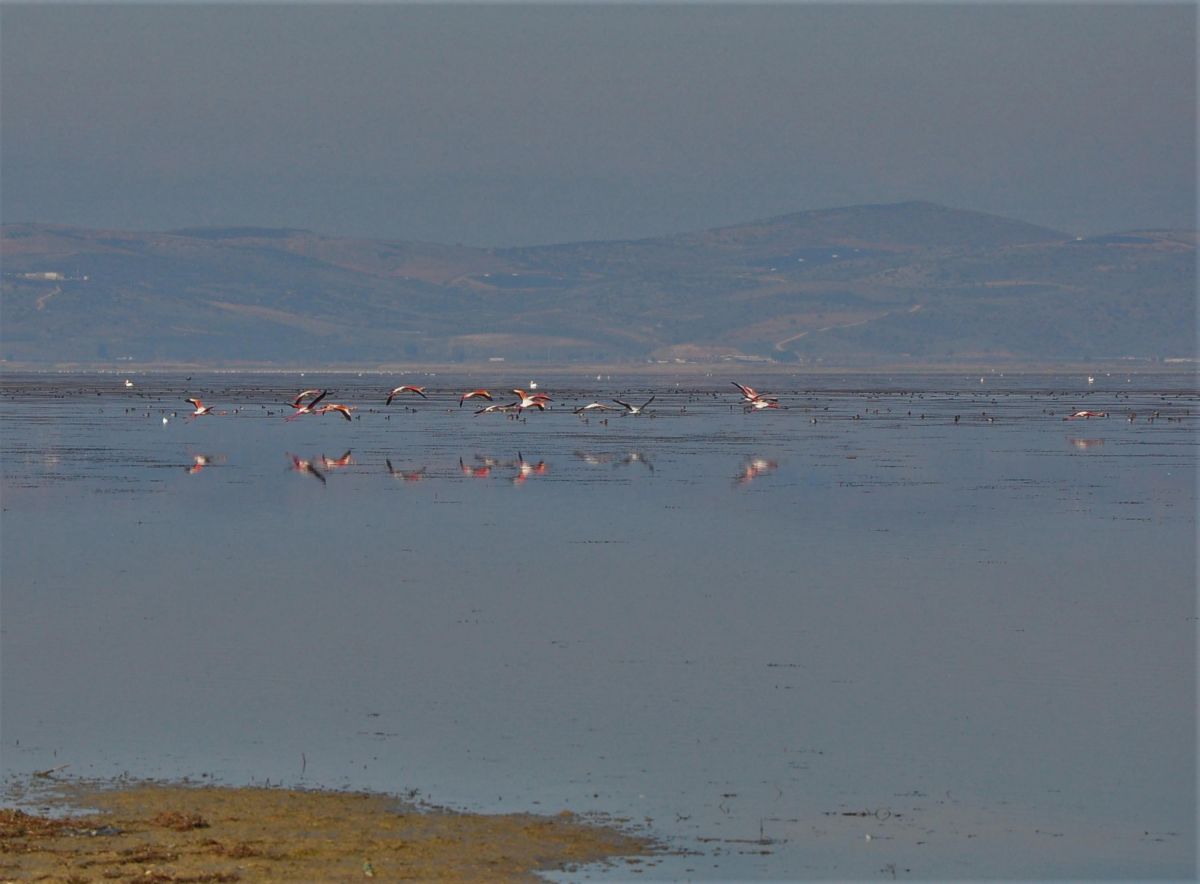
[[171, 832]]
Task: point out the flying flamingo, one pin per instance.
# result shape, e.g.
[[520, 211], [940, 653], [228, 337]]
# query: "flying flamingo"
[[304, 394], [1085, 414], [488, 409], [474, 394], [760, 403], [407, 388], [303, 407], [634, 409], [201, 408], [532, 400], [343, 410], [595, 406], [748, 393]]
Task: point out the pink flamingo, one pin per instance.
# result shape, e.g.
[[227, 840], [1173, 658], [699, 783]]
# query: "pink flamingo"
[[760, 403], [303, 407], [343, 410], [474, 394], [532, 400], [407, 388], [201, 408], [595, 406]]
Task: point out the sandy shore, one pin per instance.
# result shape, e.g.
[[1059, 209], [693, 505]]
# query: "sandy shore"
[[158, 833]]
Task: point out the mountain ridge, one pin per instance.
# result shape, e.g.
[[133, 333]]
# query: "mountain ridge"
[[913, 280]]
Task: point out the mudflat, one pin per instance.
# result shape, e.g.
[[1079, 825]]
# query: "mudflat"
[[173, 832]]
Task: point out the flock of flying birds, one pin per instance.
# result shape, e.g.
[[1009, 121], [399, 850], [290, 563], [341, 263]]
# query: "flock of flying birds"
[[312, 402], [309, 402]]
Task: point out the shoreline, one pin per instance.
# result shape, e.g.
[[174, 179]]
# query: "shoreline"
[[585, 370], [69, 830]]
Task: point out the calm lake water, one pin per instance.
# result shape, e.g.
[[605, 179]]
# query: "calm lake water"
[[910, 626]]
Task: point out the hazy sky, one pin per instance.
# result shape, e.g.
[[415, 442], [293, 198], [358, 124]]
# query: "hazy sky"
[[503, 125]]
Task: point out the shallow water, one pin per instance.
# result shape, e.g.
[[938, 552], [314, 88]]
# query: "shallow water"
[[926, 610]]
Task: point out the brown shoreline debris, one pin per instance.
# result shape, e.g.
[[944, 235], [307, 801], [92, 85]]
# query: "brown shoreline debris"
[[173, 832]]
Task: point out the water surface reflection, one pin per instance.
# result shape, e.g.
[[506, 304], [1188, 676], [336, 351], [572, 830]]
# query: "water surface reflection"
[[901, 607]]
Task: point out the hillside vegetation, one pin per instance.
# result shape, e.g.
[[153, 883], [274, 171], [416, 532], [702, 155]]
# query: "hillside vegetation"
[[909, 281]]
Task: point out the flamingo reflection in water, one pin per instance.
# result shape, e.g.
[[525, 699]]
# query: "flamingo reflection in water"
[[200, 461], [480, 470], [754, 467], [636, 457], [346, 460], [306, 466], [404, 475], [596, 459], [526, 469], [604, 458]]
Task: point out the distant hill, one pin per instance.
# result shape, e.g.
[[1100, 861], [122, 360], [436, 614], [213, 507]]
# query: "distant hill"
[[913, 282]]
